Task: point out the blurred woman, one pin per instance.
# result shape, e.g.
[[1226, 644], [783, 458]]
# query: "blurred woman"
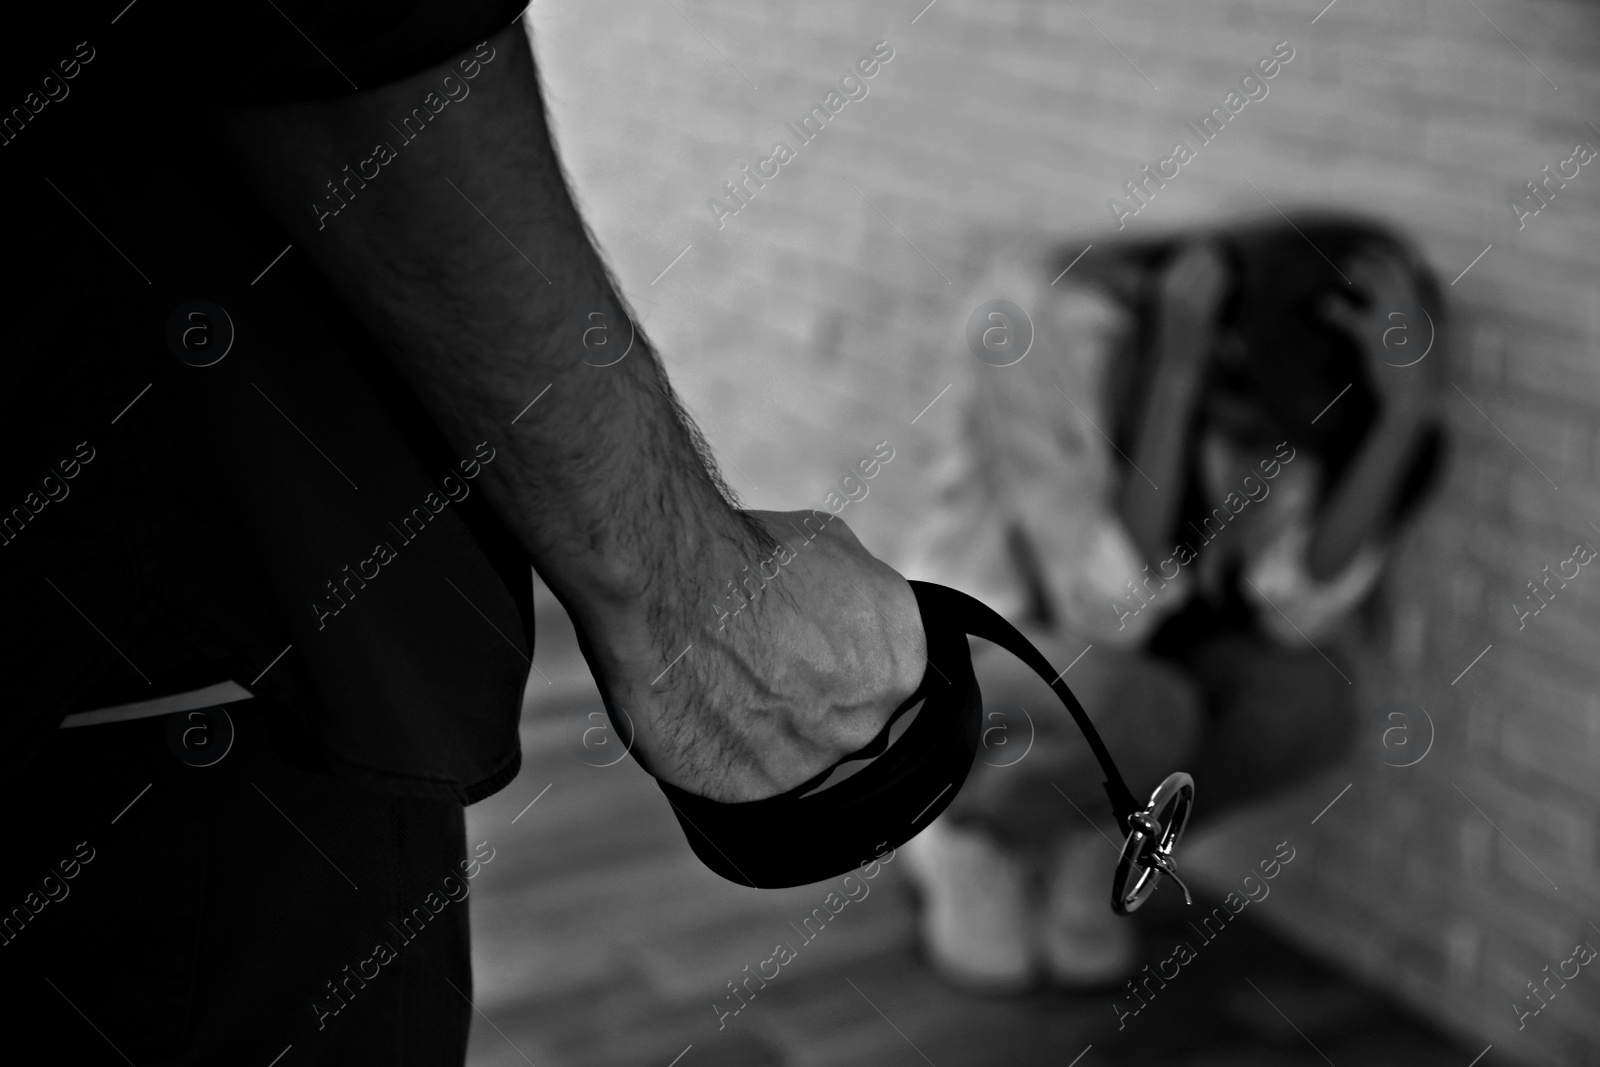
[[1181, 492]]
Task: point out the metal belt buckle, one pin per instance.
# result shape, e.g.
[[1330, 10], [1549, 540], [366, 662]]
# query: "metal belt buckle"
[[1152, 835]]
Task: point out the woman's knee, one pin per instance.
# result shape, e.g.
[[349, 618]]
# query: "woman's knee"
[[1285, 717]]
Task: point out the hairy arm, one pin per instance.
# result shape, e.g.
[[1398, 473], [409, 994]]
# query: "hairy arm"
[[467, 259]]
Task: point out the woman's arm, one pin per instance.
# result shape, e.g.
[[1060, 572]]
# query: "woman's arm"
[[1184, 339], [1391, 324]]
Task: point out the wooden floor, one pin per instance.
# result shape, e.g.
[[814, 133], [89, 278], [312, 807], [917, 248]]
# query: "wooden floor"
[[599, 939]]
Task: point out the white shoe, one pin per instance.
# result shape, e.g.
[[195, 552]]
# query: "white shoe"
[[977, 924], [1086, 944]]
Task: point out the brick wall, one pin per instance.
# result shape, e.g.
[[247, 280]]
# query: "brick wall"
[[808, 328]]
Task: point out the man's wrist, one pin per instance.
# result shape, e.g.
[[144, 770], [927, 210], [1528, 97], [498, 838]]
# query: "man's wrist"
[[664, 592], [619, 528]]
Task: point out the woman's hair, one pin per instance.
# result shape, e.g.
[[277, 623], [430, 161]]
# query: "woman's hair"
[[1279, 363]]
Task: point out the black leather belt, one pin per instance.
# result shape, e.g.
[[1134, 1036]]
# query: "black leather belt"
[[809, 834]]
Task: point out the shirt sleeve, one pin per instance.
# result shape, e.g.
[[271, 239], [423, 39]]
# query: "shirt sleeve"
[[278, 51]]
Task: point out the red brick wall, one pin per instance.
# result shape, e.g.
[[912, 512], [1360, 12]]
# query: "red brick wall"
[[808, 328]]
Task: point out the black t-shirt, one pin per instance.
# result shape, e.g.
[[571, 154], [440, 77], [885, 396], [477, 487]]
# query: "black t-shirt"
[[166, 525]]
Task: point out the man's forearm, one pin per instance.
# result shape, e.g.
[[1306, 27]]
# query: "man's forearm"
[[467, 258]]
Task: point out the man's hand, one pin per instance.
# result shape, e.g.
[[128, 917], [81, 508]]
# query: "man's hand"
[[764, 667]]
